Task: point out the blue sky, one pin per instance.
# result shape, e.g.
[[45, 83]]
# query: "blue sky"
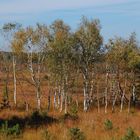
[[118, 17]]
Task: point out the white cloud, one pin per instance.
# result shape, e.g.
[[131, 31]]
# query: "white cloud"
[[33, 6]]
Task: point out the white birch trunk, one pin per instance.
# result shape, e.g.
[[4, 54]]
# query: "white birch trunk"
[[38, 99], [36, 80], [62, 98], [55, 103], [106, 93], [129, 104], [65, 90], [122, 99], [91, 91], [133, 93], [66, 104], [85, 97], [113, 104], [59, 96], [27, 106]]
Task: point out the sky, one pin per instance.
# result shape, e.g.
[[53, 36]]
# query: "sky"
[[117, 17]]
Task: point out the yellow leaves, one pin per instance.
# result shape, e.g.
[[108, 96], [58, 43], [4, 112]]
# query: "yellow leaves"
[[59, 35], [17, 46], [21, 35], [134, 59], [18, 42]]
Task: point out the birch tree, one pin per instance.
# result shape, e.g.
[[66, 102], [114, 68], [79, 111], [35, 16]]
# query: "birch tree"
[[88, 47], [8, 32], [33, 42], [60, 58], [121, 58]]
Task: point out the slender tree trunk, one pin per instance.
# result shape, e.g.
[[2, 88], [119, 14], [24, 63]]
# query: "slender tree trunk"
[[59, 96], [106, 93], [129, 104], [55, 103], [49, 101], [114, 94], [66, 104], [38, 98], [113, 104], [66, 94], [132, 98], [15, 82], [134, 94], [98, 99], [85, 96], [91, 88], [91, 91], [62, 98], [86, 91], [122, 98], [27, 106], [77, 97]]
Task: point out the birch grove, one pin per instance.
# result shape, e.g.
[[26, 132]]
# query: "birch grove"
[[65, 67]]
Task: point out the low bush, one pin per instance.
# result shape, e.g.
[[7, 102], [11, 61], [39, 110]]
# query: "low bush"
[[130, 135], [76, 134], [108, 124], [14, 130], [74, 111]]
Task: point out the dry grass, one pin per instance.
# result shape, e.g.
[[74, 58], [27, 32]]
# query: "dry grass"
[[91, 123]]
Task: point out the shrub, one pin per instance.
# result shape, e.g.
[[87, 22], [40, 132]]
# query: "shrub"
[[108, 124], [35, 118], [130, 135], [14, 130], [74, 111], [76, 134]]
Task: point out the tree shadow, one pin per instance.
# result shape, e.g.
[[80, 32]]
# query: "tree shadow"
[[35, 120]]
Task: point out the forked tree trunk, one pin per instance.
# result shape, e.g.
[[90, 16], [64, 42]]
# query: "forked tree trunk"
[[35, 78]]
